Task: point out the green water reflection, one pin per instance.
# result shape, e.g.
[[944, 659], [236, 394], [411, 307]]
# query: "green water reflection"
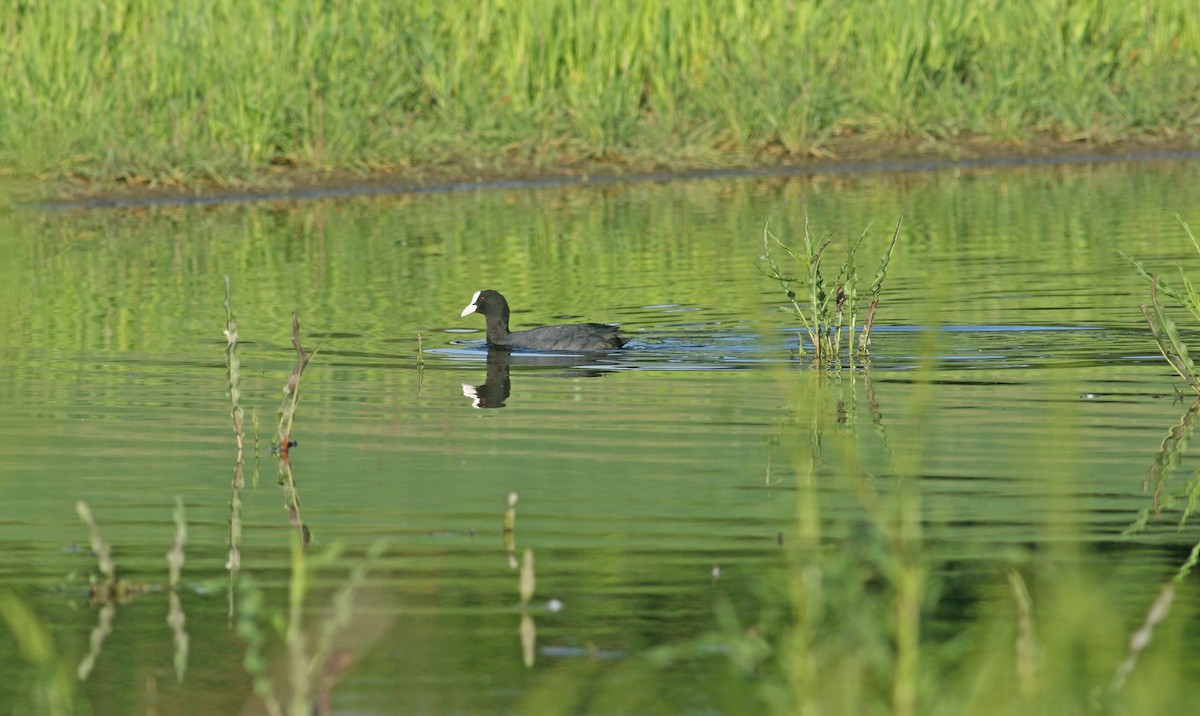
[[663, 488]]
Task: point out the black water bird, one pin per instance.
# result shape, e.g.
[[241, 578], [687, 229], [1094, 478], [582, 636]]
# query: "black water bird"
[[569, 337]]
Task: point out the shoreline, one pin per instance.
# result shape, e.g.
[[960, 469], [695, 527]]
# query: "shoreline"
[[846, 157]]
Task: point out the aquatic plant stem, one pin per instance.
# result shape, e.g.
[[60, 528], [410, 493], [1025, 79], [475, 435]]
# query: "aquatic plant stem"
[[233, 372], [286, 414]]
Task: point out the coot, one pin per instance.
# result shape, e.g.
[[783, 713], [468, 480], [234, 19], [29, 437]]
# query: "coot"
[[572, 337]]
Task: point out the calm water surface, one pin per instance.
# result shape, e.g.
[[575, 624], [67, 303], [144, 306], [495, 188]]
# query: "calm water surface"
[[1012, 374]]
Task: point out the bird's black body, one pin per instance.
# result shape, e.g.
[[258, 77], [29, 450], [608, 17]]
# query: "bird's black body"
[[569, 337]]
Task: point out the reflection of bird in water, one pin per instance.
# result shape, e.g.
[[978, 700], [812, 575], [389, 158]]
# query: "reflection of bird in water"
[[497, 386], [568, 337]]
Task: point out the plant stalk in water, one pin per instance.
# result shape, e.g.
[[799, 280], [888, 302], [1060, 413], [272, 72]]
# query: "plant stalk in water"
[[233, 369], [286, 414]]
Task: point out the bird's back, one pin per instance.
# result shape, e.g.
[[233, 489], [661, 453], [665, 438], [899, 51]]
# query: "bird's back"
[[569, 337]]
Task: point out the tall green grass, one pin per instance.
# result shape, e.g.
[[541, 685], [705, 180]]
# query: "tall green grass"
[[188, 90]]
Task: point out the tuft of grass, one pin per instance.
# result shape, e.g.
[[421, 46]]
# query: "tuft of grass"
[[1167, 338], [826, 308], [1164, 331]]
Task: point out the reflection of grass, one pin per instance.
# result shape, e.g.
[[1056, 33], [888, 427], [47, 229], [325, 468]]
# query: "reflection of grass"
[[855, 612], [826, 307], [109, 591]]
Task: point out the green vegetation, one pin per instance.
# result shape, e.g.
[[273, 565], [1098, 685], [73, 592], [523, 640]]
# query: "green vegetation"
[[284, 442], [1166, 334], [830, 306], [52, 687], [848, 628], [888, 606], [315, 658], [316, 651], [223, 92]]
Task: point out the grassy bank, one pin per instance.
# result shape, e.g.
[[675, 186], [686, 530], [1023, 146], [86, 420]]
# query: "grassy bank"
[[217, 92]]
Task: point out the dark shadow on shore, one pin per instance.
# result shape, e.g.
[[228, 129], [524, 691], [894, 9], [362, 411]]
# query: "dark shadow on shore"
[[368, 187]]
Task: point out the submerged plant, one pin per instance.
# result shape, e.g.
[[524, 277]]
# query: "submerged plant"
[[826, 308]]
